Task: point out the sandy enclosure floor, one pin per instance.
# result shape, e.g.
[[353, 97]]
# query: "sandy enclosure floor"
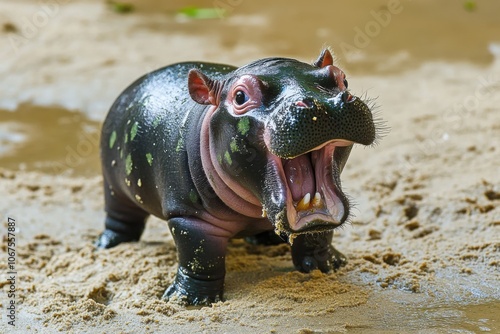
[[423, 247]]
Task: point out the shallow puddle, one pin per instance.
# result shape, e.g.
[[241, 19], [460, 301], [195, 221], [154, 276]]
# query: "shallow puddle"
[[404, 312], [464, 318], [446, 318], [367, 36], [50, 140]]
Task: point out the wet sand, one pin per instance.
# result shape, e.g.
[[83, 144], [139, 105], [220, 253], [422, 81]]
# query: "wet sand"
[[423, 247]]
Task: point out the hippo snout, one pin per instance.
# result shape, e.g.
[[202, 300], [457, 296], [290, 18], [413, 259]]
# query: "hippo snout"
[[310, 123]]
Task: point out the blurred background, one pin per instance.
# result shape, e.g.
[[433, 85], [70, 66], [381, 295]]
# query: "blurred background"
[[62, 63]]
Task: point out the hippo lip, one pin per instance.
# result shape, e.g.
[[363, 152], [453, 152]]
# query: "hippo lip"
[[314, 200]]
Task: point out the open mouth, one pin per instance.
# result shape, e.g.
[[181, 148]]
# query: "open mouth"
[[314, 198]]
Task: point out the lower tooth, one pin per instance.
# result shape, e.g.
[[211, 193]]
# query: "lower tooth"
[[317, 202], [304, 202]]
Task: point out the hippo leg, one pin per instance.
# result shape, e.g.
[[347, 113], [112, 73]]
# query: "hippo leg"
[[267, 238], [314, 251], [124, 221], [201, 251]]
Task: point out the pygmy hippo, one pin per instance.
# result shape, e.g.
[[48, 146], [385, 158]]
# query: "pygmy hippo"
[[222, 152]]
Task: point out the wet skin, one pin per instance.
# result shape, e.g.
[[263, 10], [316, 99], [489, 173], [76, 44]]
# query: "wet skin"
[[221, 152]]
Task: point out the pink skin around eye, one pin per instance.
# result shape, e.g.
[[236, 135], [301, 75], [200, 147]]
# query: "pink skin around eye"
[[251, 86]]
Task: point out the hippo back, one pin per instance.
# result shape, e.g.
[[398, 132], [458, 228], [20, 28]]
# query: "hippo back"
[[146, 130]]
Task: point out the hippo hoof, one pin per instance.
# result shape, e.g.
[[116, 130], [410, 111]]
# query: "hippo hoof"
[[334, 260], [178, 295], [110, 238], [186, 290], [338, 259]]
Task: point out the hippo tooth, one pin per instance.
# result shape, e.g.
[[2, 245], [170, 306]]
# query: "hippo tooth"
[[317, 202], [304, 202]]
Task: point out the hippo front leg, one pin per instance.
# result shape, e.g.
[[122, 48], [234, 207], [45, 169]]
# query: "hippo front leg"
[[315, 251], [201, 251]]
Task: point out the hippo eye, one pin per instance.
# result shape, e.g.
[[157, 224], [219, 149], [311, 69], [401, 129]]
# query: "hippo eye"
[[240, 97], [345, 83]]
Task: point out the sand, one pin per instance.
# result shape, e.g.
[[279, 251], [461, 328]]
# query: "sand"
[[423, 247]]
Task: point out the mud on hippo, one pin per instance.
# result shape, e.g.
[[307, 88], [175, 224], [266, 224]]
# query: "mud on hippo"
[[221, 152]]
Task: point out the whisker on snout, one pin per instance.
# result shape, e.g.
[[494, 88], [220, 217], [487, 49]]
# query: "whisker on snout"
[[381, 127]]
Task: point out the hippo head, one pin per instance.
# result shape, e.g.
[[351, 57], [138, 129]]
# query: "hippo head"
[[276, 138]]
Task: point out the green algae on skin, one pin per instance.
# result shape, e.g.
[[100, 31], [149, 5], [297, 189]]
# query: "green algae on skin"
[[244, 125], [156, 121], [233, 145], [128, 164], [112, 139], [149, 158], [193, 196], [227, 157], [180, 144], [133, 131]]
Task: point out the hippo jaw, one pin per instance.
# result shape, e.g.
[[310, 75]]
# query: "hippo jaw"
[[306, 141], [306, 194]]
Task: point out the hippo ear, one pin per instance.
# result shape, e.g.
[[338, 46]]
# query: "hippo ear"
[[201, 88], [324, 59]]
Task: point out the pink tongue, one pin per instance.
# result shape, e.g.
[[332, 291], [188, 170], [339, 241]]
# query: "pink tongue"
[[300, 176]]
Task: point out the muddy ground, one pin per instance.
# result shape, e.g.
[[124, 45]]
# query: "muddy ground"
[[423, 247]]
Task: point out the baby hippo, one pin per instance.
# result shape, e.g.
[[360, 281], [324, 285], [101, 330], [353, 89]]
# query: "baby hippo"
[[221, 152]]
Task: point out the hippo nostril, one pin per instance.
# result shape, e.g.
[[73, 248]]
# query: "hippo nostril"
[[347, 97], [305, 103]]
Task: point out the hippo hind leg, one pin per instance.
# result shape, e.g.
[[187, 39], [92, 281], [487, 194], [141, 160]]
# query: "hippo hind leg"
[[124, 221]]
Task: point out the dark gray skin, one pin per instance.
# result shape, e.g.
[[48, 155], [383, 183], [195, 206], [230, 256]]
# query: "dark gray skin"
[[222, 152]]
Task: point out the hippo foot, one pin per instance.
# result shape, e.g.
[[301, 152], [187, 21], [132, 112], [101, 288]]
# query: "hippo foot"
[[110, 238], [190, 291], [314, 251], [332, 260], [117, 231], [338, 259]]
